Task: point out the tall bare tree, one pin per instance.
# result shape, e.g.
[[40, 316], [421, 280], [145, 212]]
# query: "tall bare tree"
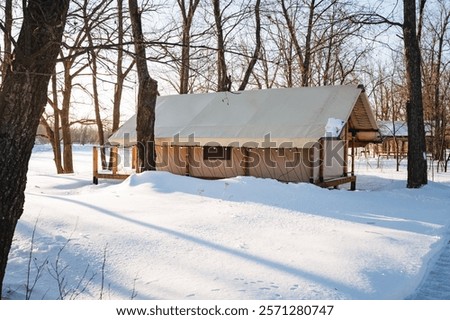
[[121, 74], [93, 57], [256, 52], [435, 42], [53, 133], [187, 14], [7, 34], [147, 93], [23, 96], [303, 54], [417, 162], [223, 78]]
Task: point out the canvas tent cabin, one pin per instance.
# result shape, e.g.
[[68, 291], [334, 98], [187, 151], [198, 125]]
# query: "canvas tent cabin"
[[292, 135], [394, 139]]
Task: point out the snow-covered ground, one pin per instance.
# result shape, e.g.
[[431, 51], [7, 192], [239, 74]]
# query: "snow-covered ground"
[[161, 236]]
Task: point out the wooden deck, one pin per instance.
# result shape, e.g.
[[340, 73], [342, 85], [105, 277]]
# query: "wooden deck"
[[113, 173], [333, 183]]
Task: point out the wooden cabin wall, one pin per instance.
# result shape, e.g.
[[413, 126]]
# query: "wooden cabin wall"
[[214, 169], [172, 159], [289, 165]]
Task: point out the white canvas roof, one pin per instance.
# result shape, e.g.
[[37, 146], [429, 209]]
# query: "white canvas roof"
[[399, 129], [294, 115], [390, 129]]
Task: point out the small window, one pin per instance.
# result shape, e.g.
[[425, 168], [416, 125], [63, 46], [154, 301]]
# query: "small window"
[[216, 153]]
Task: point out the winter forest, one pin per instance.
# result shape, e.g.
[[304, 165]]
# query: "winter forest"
[[76, 70], [203, 46]]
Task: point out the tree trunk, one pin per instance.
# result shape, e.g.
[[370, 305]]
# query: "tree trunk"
[[23, 97], [65, 119], [53, 132], [98, 118], [56, 127], [51, 137], [223, 80], [120, 76], [417, 163], [293, 34], [255, 56], [147, 93], [7, 40], [188, 16]]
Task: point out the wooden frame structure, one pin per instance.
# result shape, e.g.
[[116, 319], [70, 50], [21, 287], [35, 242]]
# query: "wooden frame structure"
[[192, 164], [297, 134], [113, 172]]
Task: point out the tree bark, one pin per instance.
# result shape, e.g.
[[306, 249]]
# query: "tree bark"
[[65, 119], [7, 40], [223, 80], [120, 76], [303, 58], [23, 97], [255, 56], [187, 15], [94, 70], [147, 93], [417, 163], [56, 127]]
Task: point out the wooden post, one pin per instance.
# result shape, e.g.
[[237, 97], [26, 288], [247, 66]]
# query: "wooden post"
[[321, 159], [115, 153], [133, 157], [188, 151], [346, 145], [136, 159], [353, 183], [246, 161], [95, 165]]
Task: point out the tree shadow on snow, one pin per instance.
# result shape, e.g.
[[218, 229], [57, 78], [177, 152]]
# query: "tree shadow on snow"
[[275, 265]]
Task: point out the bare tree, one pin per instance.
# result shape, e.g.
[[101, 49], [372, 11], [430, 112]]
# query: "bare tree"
[[93, 54], [120, 73], [254, 58], [53, 133], [7, 36], [435, 42], [148, 91], [304, 55], [187, 14], [417, 162], [223, 79], [23, 96]]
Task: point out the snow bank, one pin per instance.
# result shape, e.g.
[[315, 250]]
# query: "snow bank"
[[162, 236]]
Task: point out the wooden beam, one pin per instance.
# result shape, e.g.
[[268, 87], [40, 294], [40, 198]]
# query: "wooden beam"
[[137, 167], [112, 176], [133, 157], [353, 183], [246, 160], [115, 154], [337, 181], [95, 165], [321, 159], [188, 159], [346, 146]]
